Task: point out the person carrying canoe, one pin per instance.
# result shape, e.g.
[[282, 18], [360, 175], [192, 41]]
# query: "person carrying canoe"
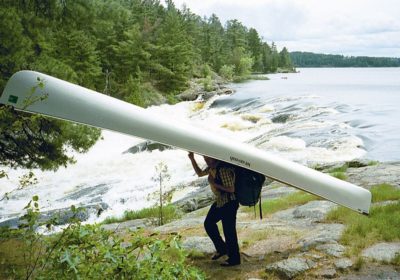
[[224, 208]]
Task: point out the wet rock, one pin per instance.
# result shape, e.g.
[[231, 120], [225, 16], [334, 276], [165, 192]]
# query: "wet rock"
[[282, 118], [60, 216], [384, 252], [147, 146], [335, 250], [291, 267], [343, 264], [90, 192], [201, 197], [199, 244]]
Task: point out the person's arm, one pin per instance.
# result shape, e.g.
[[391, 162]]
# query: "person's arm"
[[196, 168], [228, 180]]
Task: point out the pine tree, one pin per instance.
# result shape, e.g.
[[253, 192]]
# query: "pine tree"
[[212, 43], [284, 59], [255, 49], [174, 54], [15, 46]]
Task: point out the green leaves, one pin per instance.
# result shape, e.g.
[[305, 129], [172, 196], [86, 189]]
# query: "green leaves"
[[89, 252]]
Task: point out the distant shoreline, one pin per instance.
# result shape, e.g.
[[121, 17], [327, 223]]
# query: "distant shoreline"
[[318, 60]]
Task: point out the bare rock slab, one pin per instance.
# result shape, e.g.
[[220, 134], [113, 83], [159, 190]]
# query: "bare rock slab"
[[322, 234], [377, 174], [314, 210], [291, 267], [384, 252]]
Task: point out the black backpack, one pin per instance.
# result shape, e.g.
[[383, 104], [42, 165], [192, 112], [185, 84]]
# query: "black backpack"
[[248, 184]]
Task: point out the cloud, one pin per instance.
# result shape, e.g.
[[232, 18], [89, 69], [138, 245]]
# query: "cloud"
[[362, 27]]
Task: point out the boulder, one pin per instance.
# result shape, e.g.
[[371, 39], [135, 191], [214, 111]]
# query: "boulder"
[[147, 146], [343, 264], [327, 273], [334, 249], [314, 210], [291, 267], [322, 234], [199, 244], [201, 197]]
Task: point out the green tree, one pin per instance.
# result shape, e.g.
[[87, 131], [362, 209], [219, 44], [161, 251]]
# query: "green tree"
[[242, 62], [284, 59], [274, 58], [15, 47], [78, 50], [131, 54], [174, 54], [255, 49], [212, 43], [235, 36], [37, 142]]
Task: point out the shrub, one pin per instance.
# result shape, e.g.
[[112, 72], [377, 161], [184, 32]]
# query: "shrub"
[[90, 252], [227, 72], [207, 84]]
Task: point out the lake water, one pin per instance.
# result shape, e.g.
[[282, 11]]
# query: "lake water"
[[359, 102], [314, 116]]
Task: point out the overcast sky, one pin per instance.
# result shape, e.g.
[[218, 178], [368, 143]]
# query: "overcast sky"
[[349, 27]]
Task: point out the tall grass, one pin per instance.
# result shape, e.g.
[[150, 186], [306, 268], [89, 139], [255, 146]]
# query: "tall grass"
[[384, 192], [339, 172], [382, 224], [169, 213], [342, 169]]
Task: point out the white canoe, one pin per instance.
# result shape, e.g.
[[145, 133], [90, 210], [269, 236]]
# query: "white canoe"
[[63, 100]]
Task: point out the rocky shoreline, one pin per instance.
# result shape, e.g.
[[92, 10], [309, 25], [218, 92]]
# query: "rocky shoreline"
[[291, 243]]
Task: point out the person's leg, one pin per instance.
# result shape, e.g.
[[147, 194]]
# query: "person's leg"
[[229, 226], [210, 225]]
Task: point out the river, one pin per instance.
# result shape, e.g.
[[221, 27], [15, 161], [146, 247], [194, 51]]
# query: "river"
[[318, 115]]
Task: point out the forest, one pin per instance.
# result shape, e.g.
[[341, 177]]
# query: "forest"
[[308, 59], [141, 51]]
